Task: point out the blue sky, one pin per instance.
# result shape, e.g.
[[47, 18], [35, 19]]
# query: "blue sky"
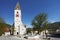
[[30, 8]]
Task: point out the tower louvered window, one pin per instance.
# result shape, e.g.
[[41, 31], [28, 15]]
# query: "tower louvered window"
[[17, 15]]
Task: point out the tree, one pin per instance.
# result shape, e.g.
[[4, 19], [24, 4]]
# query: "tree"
[[38, 21], [28, 30], [12, 29], [2, 20]]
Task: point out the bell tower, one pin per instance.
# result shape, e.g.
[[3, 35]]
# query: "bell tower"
[[18, 26]]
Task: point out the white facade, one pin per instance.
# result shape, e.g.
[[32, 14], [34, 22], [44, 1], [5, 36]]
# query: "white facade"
[[7, 33], [19, 28]]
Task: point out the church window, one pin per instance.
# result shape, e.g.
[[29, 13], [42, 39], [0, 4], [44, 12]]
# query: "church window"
[[17, 12], [17, 15]]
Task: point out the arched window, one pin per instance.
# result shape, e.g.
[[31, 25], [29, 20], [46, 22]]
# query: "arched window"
[[17, 15]]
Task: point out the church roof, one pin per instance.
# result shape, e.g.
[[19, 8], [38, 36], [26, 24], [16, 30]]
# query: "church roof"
[[17, 6]]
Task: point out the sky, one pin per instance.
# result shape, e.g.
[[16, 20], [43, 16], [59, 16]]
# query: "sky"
[[29, 9]]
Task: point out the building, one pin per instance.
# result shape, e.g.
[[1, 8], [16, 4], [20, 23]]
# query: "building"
[[7, 31], [19, 27]]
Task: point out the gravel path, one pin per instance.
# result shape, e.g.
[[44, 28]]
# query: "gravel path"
[[17, 38], [9, 38]]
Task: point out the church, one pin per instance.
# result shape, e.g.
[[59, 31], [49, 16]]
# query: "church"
[[19, 27]]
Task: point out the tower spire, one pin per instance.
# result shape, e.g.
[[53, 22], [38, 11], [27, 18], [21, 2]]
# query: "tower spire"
[[17, 6]]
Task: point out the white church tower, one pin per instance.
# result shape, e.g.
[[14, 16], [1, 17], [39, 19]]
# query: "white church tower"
[[19, 28]]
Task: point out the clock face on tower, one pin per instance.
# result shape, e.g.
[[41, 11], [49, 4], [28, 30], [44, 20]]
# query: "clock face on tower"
[[17, 14]]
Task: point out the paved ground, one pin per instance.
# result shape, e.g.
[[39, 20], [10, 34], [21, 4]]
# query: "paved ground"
[[10, 38], [55, 38], [17, 38]]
